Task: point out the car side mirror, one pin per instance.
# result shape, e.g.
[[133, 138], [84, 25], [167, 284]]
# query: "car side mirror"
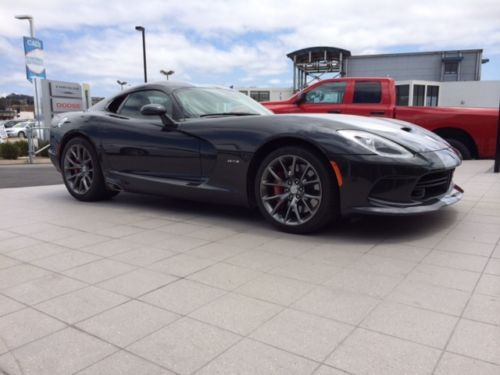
[[159, 110], [301, 98]]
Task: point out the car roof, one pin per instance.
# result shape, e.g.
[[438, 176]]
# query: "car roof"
[[167, 86]]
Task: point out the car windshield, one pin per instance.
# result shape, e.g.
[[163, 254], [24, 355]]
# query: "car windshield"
[[205, 102]]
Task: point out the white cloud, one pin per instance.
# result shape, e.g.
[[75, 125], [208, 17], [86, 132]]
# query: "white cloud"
[[199, 38]]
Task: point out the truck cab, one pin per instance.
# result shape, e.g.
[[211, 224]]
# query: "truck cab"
[[471, 131], [354, 96]]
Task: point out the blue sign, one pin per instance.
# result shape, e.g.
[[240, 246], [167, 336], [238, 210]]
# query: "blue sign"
[[33, 50]]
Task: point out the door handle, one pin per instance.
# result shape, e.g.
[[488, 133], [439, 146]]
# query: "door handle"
[[379, 113], [334, 111]]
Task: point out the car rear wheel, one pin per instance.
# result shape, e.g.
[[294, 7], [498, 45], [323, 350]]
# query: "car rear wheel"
[[296, 191], [21, 135], [82, 172]]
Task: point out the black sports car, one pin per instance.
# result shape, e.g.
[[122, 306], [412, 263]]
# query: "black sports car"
[[218, 145]]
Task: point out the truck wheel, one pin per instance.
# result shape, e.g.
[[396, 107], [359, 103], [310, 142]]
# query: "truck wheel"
[[459, 146]]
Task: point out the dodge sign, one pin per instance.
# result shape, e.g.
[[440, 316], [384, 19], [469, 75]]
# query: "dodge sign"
[[66, 105]]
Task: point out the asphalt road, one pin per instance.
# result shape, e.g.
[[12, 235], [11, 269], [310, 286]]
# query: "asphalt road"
[[28, 175]]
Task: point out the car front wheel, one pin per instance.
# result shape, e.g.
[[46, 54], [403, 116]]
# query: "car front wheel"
[[296, 191], [82, 173]]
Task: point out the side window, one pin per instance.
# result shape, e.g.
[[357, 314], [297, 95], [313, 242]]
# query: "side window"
[[367, 92], [329, 93], [403, 95], [135, 101]]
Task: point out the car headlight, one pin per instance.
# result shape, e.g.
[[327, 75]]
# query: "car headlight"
[[376, 144]]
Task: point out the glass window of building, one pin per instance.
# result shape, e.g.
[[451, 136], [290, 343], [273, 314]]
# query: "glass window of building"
[[260, 96], [418, 95], [432, 96], [451, 67]]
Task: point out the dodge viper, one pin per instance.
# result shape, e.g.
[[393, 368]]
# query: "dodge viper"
[[218, 145]]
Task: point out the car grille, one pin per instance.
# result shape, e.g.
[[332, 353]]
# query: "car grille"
[[432, 185]]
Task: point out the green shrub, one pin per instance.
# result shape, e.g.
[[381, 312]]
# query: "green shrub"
[[23, 148], [9, 151], [42, 143]]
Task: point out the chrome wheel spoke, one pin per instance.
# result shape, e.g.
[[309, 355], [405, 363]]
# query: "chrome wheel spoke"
[[78, 169], [273, 184], [310, 182], [278, 178], [278, 205], [292, 168], [310, 196], [306, 206], [297, 214], [275, 196], [289, 209], [283, 166]]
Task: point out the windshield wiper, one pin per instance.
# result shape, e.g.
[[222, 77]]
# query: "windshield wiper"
[[229, 114]]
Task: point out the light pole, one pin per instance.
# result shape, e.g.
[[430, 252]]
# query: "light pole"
[[35, 104], [143, 31], [30, 20], [121, 83], [167, 73]]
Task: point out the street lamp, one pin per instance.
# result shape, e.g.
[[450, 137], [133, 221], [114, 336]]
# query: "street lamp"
[[121, 83], [30, 20], [167, 73], [142, 30], [36, 111]]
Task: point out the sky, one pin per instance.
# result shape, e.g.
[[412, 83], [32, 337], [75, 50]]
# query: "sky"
[[229, 42]]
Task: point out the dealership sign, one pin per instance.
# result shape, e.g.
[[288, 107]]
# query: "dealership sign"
[[65, 89], [33, 50], [66, 105], [58, 97]]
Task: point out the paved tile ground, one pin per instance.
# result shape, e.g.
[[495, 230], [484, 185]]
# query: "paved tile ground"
[[147, 285]]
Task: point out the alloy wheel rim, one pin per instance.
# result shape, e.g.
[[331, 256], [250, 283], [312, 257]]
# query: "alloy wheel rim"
[[290, 190], [78, 169]]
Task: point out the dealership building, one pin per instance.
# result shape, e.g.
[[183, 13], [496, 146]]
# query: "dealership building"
[[437, 78]]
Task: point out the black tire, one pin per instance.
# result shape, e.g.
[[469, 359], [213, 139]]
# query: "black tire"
[[461, 147], [296, 209], [96, 190], [21, 135]]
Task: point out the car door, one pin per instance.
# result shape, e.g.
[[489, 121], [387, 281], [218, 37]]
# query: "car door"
[[325, 98], [367, 99], [141, 147]]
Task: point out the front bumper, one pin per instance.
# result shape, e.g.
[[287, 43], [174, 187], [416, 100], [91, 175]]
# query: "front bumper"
[[379, 207], [386, 186]]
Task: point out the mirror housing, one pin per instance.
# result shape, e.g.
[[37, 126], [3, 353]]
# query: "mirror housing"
[[301, 98], [159, 110]]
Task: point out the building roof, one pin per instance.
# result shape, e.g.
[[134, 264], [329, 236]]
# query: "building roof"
[[417, 53], [302, 55]]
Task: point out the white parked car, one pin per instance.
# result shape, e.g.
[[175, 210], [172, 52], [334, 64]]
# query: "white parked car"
[[20, 130]]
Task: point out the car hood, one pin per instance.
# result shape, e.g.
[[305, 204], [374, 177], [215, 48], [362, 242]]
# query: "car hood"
[[411, 136]]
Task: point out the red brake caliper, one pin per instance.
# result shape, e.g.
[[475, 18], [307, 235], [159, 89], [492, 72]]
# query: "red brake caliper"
[[278, 189]]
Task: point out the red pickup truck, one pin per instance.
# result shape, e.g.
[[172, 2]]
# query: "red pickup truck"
[[472, 131]]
